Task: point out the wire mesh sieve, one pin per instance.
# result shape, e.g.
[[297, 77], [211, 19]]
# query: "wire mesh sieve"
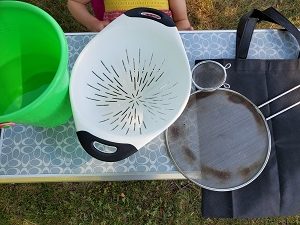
[[209, 75]]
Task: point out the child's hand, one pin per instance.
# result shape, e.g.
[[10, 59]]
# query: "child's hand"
[[97, 25], [184, 25]]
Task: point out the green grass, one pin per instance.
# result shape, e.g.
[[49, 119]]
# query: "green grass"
[[151, 202], [225, 14], [139, 202], [203, 14]]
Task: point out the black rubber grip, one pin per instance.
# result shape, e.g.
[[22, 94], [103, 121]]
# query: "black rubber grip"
[[152, 14], [87, 141]]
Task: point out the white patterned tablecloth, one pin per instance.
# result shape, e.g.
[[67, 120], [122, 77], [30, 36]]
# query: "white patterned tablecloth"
[[33, 154]]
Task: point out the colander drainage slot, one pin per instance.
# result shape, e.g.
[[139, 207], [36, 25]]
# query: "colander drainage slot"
[[104, 148]]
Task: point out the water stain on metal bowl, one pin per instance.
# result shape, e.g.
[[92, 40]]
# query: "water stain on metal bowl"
[[252, 108], [248, 171], [216, 173], [189, 154], [176, 132]]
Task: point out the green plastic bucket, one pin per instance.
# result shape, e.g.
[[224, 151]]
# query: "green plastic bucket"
[[34, 75]]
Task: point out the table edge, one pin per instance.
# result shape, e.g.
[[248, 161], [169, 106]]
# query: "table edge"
[[133, 176], [184, 32]]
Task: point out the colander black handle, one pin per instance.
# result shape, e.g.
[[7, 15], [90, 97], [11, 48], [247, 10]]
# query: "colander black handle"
[[152, 14], [87, 142]]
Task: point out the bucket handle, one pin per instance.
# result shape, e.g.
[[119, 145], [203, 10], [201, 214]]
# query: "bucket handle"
[[88, 140]]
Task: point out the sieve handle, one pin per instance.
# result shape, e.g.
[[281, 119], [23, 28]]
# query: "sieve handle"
[[279, 96], [87, 141], [282, 111], [152, 14]]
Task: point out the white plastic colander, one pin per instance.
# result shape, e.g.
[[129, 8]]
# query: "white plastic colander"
[[129, 84]]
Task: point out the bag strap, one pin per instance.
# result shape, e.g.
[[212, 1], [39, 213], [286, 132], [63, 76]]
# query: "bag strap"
[[245, 30], [247, 25]]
